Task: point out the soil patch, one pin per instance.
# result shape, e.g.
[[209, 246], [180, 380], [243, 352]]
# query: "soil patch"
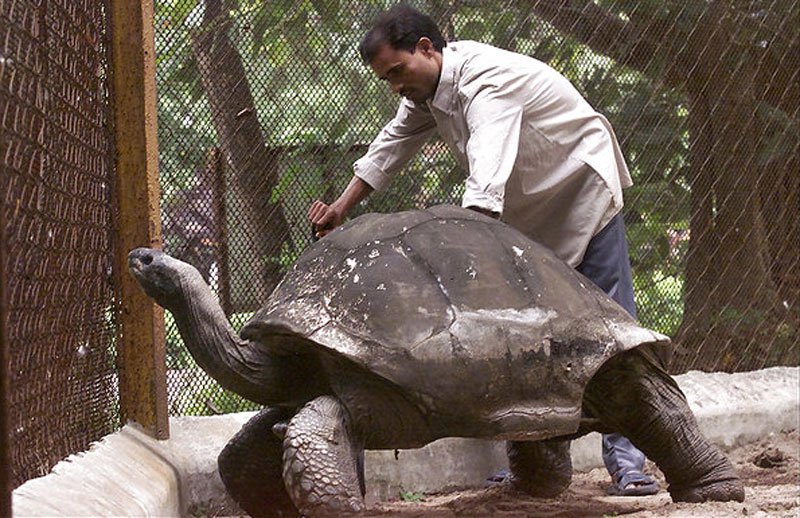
[[770, 469]]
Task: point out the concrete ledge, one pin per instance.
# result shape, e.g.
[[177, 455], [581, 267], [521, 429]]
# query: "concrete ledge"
[[130, 474], [122, 475]]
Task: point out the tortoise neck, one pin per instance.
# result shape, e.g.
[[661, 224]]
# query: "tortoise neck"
[[212, 342]]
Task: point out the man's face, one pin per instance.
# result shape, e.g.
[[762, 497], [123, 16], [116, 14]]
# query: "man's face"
[[414, 75]]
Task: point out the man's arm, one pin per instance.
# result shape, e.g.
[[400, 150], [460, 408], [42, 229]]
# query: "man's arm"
[[494, 107], [495, 124], [326, 217], [396, 143]]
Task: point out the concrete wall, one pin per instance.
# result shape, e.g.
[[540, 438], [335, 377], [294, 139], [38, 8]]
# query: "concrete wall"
[[130, 474]]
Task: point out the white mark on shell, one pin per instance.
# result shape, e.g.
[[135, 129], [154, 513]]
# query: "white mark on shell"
[[374, 253], [530, 316], [381, 287], [356, 278], [518, 251], [471, 272], [351, 263]]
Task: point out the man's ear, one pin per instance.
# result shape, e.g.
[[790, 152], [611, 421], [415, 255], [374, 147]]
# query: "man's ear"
[[425, 45]]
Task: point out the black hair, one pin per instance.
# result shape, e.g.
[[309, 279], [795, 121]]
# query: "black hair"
[[400, 27]]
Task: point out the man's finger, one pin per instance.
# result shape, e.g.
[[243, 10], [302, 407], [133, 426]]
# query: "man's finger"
[[315, 208], [323, 218], [317, 212], [321, 231]]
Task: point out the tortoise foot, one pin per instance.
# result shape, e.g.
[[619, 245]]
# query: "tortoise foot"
[[541, 469], [250, 466], [719, 491]]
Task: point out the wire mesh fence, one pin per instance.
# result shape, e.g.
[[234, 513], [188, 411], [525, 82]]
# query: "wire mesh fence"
[[265, 105], [56, 181]]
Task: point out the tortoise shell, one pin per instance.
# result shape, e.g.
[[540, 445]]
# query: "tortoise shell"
[[466, 317]]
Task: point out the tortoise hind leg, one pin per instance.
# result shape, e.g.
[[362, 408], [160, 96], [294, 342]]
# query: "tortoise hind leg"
[[540, 468], [321, 461], [634, 396], [251, 465]]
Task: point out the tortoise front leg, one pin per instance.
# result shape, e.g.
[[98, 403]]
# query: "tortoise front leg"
[[634, 396], [320, 460], [251, 467]]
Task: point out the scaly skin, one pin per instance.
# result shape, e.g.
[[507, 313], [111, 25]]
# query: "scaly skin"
[[251, 467], [540, 468], [635, 396], [320, 460]]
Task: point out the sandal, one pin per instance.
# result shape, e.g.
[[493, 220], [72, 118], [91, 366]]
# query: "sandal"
[[633, 483]]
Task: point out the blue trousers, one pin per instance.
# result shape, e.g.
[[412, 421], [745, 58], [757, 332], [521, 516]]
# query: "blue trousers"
[[607, 264]]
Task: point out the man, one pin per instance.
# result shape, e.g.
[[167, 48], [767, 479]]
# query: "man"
[[537, 154]]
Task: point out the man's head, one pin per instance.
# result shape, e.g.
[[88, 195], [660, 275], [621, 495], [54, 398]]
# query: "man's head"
[[404, 47]]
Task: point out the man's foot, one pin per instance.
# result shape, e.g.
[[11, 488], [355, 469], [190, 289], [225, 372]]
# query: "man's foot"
[[633, 483], [498, 477]]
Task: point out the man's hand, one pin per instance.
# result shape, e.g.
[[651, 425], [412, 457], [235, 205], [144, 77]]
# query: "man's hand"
[[324, 217]]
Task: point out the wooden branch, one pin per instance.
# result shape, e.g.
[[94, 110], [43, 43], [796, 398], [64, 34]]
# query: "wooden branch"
[[689, 56], [600, 30]]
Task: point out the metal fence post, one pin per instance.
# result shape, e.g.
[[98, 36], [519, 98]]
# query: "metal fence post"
[[140, 342]]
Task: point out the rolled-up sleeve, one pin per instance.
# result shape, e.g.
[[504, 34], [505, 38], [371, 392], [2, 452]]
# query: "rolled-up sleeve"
[[396, 143]]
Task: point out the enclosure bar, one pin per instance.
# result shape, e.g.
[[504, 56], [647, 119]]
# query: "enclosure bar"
[[141, 349], [5, 393]]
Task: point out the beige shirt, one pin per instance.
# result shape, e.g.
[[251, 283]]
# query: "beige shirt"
[[535, 150]]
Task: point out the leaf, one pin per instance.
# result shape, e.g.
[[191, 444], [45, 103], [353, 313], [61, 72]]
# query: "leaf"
[[473, 30], [262, 22], [410, 496], [327, 9], [178, 11]]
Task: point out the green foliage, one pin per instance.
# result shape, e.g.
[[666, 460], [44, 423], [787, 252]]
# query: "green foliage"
[[178, 356], [412, 496], [659, 300], [209, 399]]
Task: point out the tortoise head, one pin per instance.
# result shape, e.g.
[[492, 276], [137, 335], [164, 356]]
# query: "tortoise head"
[[162, 277]]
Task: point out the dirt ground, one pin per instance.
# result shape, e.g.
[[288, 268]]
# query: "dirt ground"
[[770, 469], [772, 490]]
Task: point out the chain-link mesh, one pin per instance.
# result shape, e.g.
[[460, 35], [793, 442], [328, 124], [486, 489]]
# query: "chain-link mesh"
[[263, 107], [56, 183]]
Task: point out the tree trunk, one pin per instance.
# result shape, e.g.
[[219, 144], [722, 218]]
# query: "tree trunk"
[[732, 310], [732, 306], [742, 266], [260, 224]]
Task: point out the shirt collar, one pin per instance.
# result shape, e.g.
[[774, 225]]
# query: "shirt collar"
[[445, 91]]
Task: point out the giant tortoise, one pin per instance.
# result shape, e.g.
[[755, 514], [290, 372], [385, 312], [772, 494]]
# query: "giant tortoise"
[[396, 330]]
